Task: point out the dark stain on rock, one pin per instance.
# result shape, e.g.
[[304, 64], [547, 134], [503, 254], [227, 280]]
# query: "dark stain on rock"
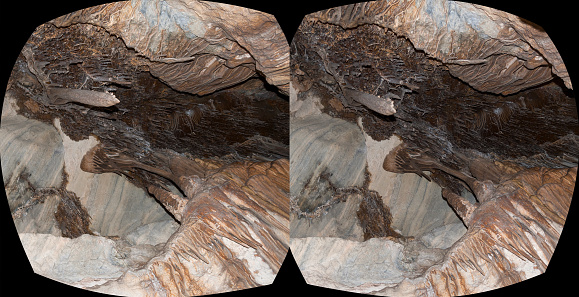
[[72, 218], [375, 217]]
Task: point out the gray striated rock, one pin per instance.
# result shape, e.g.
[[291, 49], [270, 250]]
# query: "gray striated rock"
[[87, 259], [326, 154], [38, 218], [152, 233], [118, 208], [339, 221], [417, 206], [32, 158], [322, 144], [443, 237], [32, 152], [339, 263]]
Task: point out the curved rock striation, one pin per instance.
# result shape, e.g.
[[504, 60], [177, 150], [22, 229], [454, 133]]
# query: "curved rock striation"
[[491, 50], [511, 236], [195, 46], [233, 224]]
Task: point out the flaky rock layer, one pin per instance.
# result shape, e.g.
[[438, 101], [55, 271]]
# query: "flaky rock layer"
[[196, 46], [491, 50]]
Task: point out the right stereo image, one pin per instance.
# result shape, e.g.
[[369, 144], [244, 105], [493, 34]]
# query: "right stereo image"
[[433, 148]]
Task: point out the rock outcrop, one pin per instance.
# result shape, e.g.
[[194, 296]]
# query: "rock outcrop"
[[467, 184], [147, 142]]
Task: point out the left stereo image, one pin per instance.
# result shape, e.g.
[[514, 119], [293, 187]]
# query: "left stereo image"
[[145, 148]]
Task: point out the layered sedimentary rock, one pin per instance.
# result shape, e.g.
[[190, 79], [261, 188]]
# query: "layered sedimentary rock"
[[118, 148], [475, 42], [326, 154], [468, 180], [215, 47], [233, 225]]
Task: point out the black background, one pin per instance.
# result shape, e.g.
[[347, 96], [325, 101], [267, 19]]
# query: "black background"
[[20, 18]]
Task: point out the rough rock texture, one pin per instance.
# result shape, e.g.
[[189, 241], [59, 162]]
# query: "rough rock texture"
[[329, 237], [117, 212], [31, 176], [443, 237], [491, 50], [329, 154], [234, 222], [475, 169], [148, 141], [517, 227], [67, 260], [504, 127], [341, 264], [85, 56], [195, 46], [323, 145], [511, 236], [363, 267]]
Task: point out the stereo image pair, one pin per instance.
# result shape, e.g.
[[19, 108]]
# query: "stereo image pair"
[[184, 148]]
